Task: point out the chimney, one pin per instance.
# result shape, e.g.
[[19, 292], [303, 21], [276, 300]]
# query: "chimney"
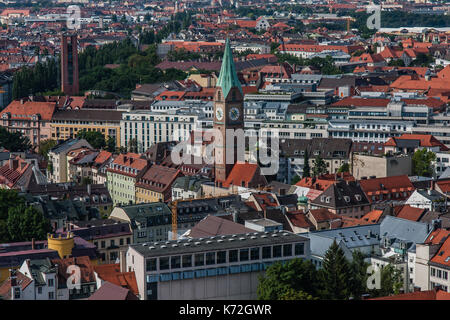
[[13, 277], [89, 189], [11, 162], [432, 185], [123, 261], [282, 192], [235, 216], [32, 244]]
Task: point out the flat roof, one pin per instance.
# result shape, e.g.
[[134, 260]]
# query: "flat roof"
[[235, 241]]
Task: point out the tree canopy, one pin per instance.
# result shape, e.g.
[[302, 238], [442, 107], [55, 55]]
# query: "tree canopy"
[[422, 162], [13, 141]]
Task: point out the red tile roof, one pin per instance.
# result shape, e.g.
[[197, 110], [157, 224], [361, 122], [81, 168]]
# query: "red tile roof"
[[299, 219], [387, 185], [246, 174], [25, 110], [437, 236], [373, 216], [111, 273], [419, 295], [426, 140], [410, 213], [442, 256]]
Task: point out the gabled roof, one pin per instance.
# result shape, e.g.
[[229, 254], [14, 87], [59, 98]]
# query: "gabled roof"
[[215, 226], [111, 273], [228, 77], [442, 256], [426, 140], [110, 291], [386, 185], [245, 173], [373, 216], [410, 213]]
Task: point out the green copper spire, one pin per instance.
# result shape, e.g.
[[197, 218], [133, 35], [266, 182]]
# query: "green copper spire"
[[228, 76]]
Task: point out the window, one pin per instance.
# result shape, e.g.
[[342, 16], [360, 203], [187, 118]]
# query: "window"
[[187, 261], [210, 258], [51, 295], [103, 244], [164, 263], [175, 262], [50, 282], [233, 256], [221, 257], [254, 253], [39, 290], [151, 265], [266, 252], [299, 249], [287, 250], [243, 255], [200, 259], [121, 242], [276, 251]]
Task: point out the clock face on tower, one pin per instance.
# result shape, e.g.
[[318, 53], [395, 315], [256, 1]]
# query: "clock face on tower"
[[219, 113], [234, 113]]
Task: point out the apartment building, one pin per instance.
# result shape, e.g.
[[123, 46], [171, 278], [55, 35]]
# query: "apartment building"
[[108, 235], [156, 184], [148, 221], [121, 177], [149, 127], [67, 123], [57, 159], [221, 267], [31, 118]]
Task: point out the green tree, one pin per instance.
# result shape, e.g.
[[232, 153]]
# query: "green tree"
[[422, 162], [133, 145], [320, 167], [111, 144], [396, 63], [295, 179], [25, 223], [95, 138], [45, 146], [358, 280], [390, 282], [306, 168], [13, 141], [344, 168], [291, 294], [8, 199], [298, 275], [335, 274]]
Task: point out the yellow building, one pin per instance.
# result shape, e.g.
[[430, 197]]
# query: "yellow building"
[[67, 123], [61, 243]]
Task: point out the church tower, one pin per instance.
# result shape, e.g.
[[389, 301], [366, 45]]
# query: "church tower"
[[228, 112]]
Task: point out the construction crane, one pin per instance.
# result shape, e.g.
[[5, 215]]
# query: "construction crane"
[[174, 219]]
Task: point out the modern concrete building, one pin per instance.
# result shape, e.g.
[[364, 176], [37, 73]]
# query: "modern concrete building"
[[380, 166], [222, 267]]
